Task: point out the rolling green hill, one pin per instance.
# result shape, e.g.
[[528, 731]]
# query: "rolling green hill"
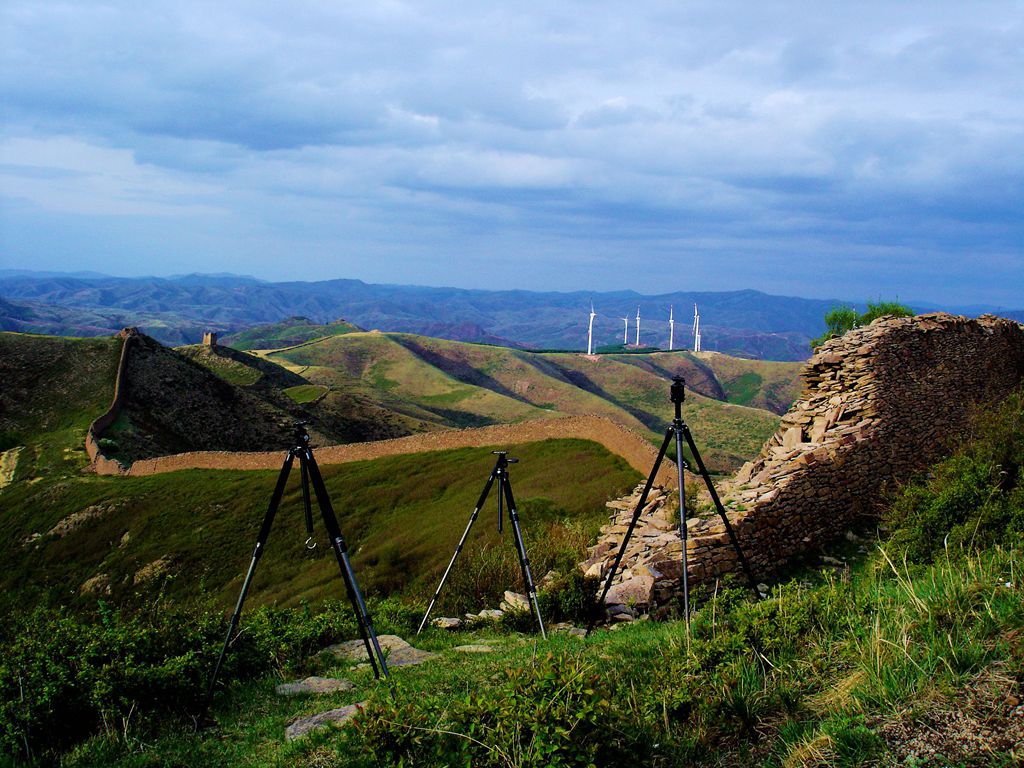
[[758, 383], [52, 390], [63, 527], [436, 383], [402, 516], [287, 333], [241, 368]]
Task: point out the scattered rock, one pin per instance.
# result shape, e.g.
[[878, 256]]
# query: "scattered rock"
[[514, 602], [336, 717], [98, 585], [445, 622], [569, 629], [635, 590], [397, 652], [8, 465], [490, 614], [153, 570], [473, 648], [76, 520], [314, 685], [549, 578]]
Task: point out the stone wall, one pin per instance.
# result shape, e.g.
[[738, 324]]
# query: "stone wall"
[[100, 463], [879, 403], [635, 449]]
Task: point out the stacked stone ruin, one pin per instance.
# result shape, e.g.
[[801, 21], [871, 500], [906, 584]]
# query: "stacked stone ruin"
[[879, 404]]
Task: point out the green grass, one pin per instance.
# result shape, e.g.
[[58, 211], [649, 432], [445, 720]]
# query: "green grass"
[[53, 389], [230, 370], [402, 517], [913, 654], [448, 383], [742, 389], [305, 393], [814, 675], [764, 384], [376, 366], [287, 333]]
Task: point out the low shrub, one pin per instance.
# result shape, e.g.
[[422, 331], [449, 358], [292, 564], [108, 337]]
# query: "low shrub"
[[64, 677], [484, 571], [555, 713], [971, 501], [570, 597]]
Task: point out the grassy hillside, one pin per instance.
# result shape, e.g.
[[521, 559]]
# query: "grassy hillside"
[[757, 383], [287, 333], [378, 366], [898, 651], [241, 368], [52, 390], [434, 383], [871, 665], [173, 404], [402, 516]]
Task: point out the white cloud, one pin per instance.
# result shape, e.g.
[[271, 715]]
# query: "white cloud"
[[66, 175], [581, 127]]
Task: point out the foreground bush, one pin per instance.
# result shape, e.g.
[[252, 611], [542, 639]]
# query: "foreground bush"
[[974, 499], [556, 713], [64, 677]]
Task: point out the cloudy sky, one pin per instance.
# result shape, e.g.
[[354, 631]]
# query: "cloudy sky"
[[851, 150]]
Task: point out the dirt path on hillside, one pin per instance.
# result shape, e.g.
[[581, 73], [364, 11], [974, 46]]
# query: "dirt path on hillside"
[[632, 447]]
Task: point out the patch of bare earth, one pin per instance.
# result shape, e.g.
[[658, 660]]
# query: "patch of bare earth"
[[982, 726]]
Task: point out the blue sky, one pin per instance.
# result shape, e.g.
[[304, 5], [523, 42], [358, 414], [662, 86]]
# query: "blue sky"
[[850, 150]]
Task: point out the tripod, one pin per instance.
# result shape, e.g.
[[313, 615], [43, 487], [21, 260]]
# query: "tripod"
[[499, 473], [679, 431], [309, 472]]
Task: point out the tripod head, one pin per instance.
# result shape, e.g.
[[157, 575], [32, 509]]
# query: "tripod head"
[[677, 392], [301, 433], [504, 458]]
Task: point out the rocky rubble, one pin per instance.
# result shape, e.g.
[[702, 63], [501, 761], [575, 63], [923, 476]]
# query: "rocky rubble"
[[651, 566]]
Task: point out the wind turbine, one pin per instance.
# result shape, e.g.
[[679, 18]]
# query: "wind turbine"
[[696, 329], [671, 328], [625, 330], [638, 326], [590, 331]]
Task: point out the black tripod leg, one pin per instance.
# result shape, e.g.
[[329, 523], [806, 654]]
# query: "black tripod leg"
[[458, 549], [721, 510], [524, 561], [261, 541], [341, 552], [307, 508], [683, 532], [632, 525]]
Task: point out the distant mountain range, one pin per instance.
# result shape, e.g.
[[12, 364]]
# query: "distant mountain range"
[[177, 310]]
